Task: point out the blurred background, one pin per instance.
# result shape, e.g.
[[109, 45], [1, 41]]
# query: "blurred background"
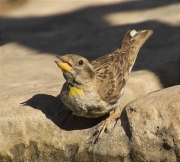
[[33, 32]]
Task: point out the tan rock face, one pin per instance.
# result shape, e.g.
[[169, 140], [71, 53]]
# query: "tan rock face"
[[148, 130], [33, 130], [154, 122]]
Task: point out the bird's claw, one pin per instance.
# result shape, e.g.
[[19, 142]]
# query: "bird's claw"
[[105, 126]]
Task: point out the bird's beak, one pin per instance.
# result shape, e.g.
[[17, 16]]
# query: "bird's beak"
[[64, 63]]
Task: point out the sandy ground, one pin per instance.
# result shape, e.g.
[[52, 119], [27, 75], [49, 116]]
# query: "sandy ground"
[[33, 34]]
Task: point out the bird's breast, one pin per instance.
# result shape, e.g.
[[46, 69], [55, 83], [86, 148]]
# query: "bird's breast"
[[83, 103]]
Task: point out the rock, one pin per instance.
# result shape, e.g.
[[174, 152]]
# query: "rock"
[[32, 132], [148, 130], [30, 124], [154, 122]]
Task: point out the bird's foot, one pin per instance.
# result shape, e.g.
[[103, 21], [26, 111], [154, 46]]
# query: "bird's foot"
[[105, 126]]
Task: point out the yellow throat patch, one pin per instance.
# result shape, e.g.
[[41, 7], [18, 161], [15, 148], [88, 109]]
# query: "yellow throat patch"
[[75, 91]]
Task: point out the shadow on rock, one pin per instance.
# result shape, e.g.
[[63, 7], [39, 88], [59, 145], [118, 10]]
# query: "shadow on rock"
[[86, 32], [51, 107]]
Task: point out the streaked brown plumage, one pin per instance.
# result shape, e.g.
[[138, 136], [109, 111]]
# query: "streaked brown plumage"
[[93, 89]]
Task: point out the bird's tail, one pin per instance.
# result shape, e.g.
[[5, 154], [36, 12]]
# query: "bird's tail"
[[133, 41]]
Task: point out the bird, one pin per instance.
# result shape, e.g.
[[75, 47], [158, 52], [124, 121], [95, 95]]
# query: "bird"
[[94, 88]]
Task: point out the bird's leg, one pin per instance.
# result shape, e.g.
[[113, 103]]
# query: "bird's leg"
[[68, 112], [104, 127]]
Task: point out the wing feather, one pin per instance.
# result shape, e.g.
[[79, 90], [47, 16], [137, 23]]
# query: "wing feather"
[[112, 70]]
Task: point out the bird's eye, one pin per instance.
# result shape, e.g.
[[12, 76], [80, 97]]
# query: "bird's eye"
[[81, 62]]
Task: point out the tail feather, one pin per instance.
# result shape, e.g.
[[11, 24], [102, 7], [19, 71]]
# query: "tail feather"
[[133, 40]]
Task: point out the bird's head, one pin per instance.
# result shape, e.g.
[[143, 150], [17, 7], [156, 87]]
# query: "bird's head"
[[76, 69]]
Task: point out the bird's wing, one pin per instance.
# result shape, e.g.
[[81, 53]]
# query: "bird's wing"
[[112, 70]]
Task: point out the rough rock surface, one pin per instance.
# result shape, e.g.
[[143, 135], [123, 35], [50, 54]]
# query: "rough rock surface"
[[154, 122], [148, 130], [30, 123]]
